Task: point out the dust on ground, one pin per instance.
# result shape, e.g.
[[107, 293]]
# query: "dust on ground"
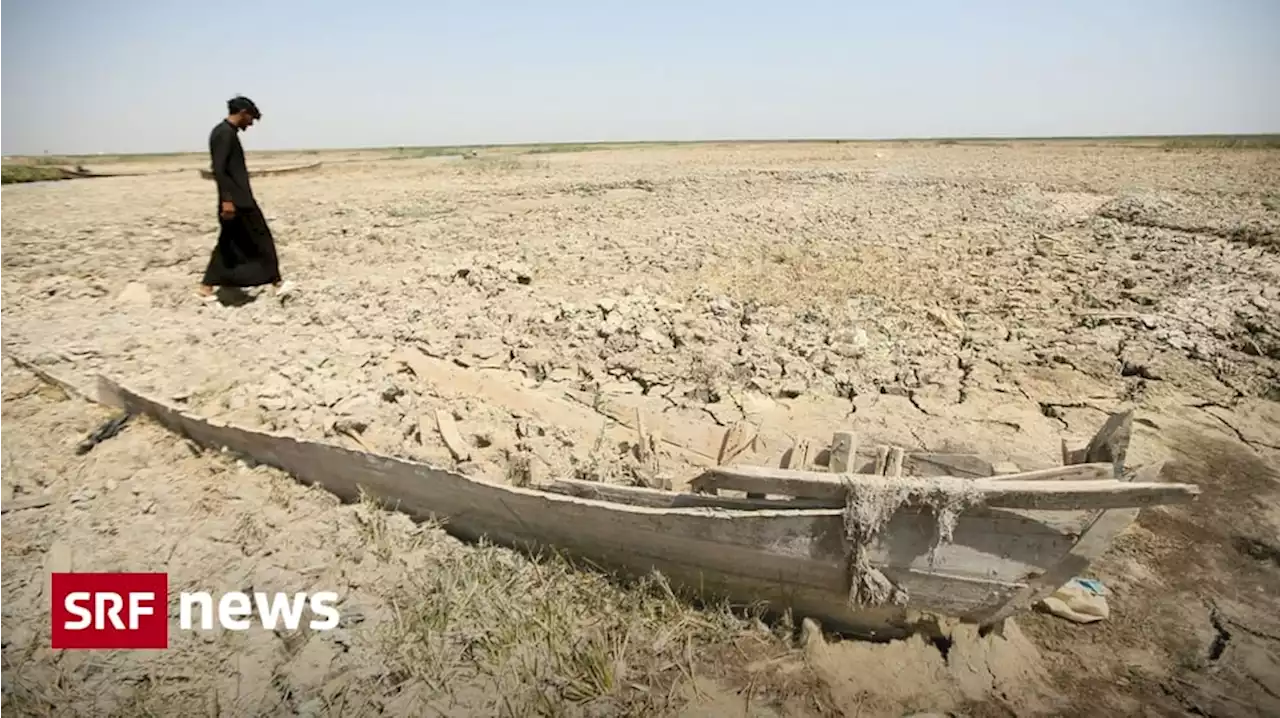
[[977, 298]]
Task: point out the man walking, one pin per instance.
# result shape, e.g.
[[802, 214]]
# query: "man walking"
[[246, 251]]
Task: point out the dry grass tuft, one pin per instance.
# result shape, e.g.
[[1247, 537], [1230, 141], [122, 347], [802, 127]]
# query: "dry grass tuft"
[[17, 174], [550, 639], [500, 163]]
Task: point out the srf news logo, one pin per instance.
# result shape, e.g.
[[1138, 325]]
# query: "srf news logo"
[[130, 610]]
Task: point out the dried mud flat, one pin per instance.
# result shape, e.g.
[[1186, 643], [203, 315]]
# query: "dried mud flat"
[[979, 298]]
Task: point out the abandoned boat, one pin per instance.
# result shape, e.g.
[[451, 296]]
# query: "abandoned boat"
[[864, 549]]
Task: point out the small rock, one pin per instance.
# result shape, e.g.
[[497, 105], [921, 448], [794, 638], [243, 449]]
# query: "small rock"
[[273, 403], [136, 294], [350, 426], [564, 375], [610, 326], [111, 485], [792, 389], [150, 507], [1134, 367], [848, 350], [651, 335], [391, 392]]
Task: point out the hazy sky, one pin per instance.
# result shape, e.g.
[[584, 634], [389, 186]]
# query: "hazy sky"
[[154, 76]]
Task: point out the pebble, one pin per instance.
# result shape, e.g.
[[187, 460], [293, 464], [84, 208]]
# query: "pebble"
[[136, 294], [651, 335]]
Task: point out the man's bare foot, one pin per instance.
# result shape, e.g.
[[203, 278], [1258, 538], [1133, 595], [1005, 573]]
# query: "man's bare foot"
[[205, 290], [283, 288]]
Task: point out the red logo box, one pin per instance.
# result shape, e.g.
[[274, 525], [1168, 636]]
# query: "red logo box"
[[110, 610]]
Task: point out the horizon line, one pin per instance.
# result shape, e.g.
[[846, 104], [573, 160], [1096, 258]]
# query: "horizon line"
[[593, 143]]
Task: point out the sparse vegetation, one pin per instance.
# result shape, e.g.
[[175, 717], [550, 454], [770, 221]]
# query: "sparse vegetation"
[[1221, 142], [14, 174], [500, 162], [551, 638]]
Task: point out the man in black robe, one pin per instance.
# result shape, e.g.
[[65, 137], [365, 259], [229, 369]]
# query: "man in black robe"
[[246, 251]]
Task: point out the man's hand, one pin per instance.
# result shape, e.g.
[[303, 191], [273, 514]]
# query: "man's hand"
[[228, 210]]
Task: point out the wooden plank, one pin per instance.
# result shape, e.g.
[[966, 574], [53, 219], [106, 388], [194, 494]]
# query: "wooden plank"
[[1071, 456], [1010, 491], [844, 446], [801, 454], [787, 559], [998, 521], [736, 441], [935, 464], [797, 457], [816, 484], [644, 449], [657, 498], [452, 439], [1094, 541], [894, 465], [1111, 443], [1075, 472], [882, 460], [1083, 495], [1004, 467]]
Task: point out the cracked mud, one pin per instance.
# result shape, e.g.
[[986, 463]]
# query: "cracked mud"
[[986, 298]]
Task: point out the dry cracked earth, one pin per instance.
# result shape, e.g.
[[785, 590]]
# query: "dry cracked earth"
[[993, 298]]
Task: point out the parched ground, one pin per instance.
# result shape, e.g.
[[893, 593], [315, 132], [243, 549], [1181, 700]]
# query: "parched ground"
[[986, 297]]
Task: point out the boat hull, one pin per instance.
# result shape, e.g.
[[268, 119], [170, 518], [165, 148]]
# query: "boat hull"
[[778, 560]]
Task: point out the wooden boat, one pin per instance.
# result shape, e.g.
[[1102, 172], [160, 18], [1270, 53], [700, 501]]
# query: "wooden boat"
[[208, 174], [974, 549]]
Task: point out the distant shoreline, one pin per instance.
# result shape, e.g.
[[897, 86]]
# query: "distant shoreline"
[[1266, 140]]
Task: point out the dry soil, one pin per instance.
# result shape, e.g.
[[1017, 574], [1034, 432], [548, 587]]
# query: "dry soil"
[[993, 298]]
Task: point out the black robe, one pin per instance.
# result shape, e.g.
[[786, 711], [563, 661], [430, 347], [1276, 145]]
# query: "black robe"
[[246, 252]]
